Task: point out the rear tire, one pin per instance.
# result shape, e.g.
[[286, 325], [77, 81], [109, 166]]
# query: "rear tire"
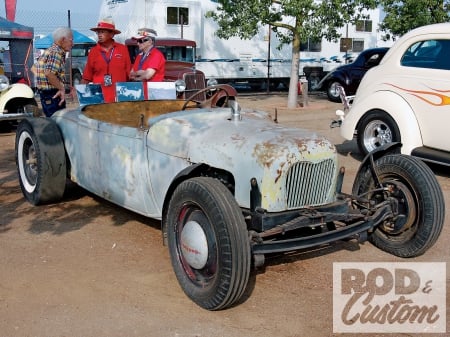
[[208, 243], [40, 160], [333, 91], [421, 207]]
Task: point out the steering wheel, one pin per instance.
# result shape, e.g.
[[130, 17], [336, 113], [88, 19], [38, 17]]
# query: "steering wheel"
[[208, 102]]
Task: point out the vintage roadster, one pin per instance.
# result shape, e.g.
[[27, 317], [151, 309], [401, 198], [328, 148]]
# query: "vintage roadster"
[[228, 185]]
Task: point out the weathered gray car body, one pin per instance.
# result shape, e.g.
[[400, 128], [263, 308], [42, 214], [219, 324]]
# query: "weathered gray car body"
[[135, 165]]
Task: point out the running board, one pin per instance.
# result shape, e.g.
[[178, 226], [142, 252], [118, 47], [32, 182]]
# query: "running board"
[[431, 155]]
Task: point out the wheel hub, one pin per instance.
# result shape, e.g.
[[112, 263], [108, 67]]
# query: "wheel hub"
[[194, 245], [377, 134], [405, 209]]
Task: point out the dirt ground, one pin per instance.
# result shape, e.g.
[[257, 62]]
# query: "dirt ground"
[[84, 267]]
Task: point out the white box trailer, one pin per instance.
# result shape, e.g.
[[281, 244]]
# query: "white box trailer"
[[236, 61]]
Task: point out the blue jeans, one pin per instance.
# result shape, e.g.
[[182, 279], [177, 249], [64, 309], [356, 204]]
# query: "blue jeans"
[[49, 104]]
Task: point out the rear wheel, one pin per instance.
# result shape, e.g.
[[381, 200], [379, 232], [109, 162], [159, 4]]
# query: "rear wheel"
[[411, 187], [208, 243], [40, 160], [333, 91]]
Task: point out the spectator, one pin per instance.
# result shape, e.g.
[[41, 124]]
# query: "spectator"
[[108, 61], [149, 65], [49, 70]]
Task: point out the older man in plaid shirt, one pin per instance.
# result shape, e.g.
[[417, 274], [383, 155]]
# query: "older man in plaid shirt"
[[50, 71]]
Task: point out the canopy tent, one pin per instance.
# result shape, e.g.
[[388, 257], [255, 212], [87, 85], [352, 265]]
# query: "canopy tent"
[[20, 49], [78, 38], [12, 30]]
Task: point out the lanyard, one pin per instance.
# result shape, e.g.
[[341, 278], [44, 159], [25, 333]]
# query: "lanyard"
[[107, 60], [143, 58]]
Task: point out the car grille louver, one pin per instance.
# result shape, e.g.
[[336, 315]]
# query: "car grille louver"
[[194, 82], [309, 184]]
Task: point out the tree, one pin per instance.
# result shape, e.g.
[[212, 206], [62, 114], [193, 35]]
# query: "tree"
[[402, 16], [293, 21]]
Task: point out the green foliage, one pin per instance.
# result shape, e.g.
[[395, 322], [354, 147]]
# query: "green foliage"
[[402, 16]]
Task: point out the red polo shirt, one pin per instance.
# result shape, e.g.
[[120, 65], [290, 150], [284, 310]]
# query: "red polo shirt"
[[155, 60], [116, 62]]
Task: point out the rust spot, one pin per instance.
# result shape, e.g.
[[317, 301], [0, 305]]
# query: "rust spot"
[[279, 172], [266, 153]]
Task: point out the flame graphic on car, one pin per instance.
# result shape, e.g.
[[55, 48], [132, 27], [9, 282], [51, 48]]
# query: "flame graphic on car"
[[441, 96]]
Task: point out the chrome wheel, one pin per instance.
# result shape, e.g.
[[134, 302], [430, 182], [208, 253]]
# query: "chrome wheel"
[[376, 128], [376, 134]]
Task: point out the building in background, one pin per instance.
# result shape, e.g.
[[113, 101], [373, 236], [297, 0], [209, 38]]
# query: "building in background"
[[235, 60]]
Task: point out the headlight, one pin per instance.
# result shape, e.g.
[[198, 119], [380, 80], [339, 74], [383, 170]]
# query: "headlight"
[[180, 85], [211, 82], [4, 83]]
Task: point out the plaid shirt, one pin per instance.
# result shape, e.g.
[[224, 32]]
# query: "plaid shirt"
[[54, 60]]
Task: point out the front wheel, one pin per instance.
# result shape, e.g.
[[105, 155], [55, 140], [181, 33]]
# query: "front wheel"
[[208, 243], [418, 204], [40, 160], [375, 129]]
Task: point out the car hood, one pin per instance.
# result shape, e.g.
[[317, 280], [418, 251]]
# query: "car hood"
[[214, 136]]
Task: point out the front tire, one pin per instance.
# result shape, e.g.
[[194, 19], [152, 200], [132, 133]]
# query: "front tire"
[[208, 243], [40, 160], [421, 207], [375, 129]]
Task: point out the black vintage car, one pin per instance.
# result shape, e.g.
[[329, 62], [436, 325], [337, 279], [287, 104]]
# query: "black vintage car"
[[350, 75]]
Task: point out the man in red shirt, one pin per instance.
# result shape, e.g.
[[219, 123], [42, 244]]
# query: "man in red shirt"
[[150, 63], [108, 61]]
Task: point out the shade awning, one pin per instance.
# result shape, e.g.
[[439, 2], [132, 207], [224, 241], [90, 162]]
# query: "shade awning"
[[78, 38]]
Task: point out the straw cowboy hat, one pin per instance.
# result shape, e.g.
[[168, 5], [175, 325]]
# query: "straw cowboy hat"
[[106, 24]]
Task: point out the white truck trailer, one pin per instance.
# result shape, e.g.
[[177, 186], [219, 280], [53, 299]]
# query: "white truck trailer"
[[235, 61]]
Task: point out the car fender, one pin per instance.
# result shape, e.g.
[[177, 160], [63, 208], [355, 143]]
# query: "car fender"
[[394, 105], [336, 75], [16, 90], [383, 150]]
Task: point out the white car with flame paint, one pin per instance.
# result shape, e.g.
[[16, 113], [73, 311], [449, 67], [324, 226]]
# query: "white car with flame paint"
[[228, 185], [406, 98]]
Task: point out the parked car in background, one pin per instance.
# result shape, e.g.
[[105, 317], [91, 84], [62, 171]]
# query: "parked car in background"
[[407, 97], [17, 100], [349, 76], [229, 185]]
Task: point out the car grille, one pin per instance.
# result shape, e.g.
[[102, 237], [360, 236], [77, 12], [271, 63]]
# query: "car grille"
[[309, 184], [194, 82]]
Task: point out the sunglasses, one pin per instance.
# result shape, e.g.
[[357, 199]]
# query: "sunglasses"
[[143, 40]]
